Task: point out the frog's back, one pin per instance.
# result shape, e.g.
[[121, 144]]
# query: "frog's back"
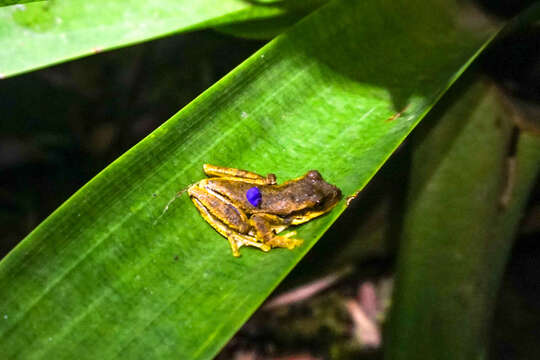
[[307, 192]]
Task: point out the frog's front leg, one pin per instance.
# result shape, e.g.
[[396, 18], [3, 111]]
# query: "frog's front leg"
[[267, 225], [238, 174], [225, 218]]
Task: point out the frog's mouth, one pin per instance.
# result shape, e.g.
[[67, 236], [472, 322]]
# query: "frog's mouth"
[[324, 203], [332, 199], [333, 195]]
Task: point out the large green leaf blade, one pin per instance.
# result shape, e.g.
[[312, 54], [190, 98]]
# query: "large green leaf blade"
[[112, 274], [39, 34], [468, 189]]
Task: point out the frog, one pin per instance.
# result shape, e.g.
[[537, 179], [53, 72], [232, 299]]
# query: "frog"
[[249, 209]]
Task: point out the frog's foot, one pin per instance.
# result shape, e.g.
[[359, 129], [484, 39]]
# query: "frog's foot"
[[266, 226], [238, 240], [284, 241]]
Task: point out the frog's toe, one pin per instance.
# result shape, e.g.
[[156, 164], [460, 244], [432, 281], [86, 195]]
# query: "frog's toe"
[[289, 234], [265, 248], [293, 243], [284, 242], [234, 247]]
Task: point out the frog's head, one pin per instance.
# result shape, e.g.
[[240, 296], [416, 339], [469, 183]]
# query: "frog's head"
[[302, 198], [324, 196]]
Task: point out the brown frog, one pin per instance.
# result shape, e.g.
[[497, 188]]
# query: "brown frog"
[[250, 209]]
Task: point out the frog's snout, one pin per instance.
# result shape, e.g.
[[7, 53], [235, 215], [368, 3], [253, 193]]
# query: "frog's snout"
[[336, 194]]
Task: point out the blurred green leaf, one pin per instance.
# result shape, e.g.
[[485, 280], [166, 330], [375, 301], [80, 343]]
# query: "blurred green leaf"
[[468, 189], [15, 2], [271, 27], [112, 274], [43, 33]]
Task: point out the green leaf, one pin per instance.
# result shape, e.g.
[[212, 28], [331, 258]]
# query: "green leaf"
[[15, 2], [271, 27], [39, 34], [120, 270], [468, 191]]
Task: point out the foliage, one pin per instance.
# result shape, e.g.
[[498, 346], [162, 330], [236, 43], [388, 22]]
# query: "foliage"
[[124, 266]]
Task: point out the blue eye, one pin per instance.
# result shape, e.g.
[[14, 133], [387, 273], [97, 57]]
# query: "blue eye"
[[254, 196]]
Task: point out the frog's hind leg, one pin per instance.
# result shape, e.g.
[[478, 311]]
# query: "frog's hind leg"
[[221, 208], [236, 240], [266, 225], [238, 174]]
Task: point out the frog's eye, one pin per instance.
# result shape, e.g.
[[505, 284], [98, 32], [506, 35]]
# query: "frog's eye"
[[314, 175]]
